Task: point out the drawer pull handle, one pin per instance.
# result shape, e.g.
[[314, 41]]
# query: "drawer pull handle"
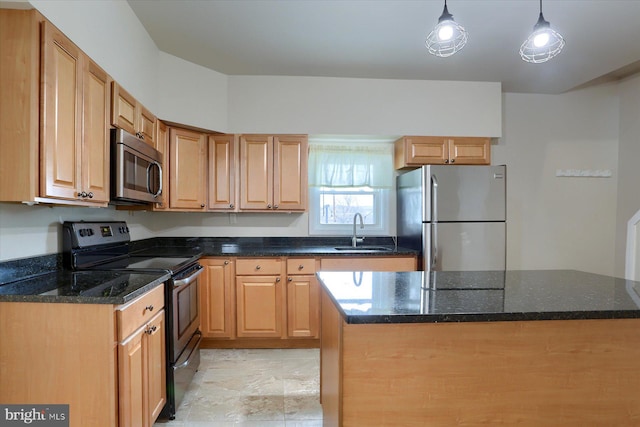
[[149, 307]]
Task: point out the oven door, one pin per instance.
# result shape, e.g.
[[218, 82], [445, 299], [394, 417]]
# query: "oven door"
[[186, 318]]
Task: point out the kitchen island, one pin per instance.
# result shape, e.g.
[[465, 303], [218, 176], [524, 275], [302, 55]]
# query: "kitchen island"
[[479, 348]]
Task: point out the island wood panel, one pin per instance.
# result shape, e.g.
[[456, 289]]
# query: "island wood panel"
[[39, 356], [569, 373], [330, 362]]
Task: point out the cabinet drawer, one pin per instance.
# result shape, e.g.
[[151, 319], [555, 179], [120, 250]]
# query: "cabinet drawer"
[[301, 266], [132, 315], [261, 266]]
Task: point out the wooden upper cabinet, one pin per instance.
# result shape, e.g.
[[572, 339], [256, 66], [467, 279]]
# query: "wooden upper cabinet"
[[187, 169], [414, 151], [273, 172], [223, 166], [54, 121], [290, 172], [469, 151], [95, 134], [130, 115], [62, 115], [75, 127]]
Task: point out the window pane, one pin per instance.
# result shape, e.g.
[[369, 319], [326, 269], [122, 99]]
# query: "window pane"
[[339, 206]]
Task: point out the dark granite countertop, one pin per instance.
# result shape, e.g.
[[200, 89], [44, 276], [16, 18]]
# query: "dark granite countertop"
[[82, 287], [268, 246], [419, 297]]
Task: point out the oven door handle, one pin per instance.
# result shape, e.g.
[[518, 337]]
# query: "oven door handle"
[[189, 279], [195, 347]]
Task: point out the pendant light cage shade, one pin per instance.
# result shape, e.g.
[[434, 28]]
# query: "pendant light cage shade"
[[543, 43], [447, 37], [534, 51]]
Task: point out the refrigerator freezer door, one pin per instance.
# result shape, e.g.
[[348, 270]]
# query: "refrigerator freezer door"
[[472, 246], [464, 193]]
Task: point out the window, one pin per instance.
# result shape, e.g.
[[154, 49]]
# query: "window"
[[346, 178]]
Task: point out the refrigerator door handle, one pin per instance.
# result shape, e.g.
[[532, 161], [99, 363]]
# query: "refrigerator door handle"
[[434, 221]]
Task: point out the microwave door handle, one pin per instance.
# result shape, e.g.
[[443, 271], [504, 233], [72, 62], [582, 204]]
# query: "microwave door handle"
[[149, 179]]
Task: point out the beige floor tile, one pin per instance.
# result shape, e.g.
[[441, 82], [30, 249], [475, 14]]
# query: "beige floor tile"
[[252, 388]]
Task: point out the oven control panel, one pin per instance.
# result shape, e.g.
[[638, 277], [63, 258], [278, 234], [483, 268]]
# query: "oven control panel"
[[84, 234]]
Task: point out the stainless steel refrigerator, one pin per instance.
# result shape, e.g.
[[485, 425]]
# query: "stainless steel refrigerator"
[[455, 216]]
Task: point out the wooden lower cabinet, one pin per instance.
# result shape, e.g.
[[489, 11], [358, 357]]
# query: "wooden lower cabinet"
[[217, 298], [106, 362], [303, 298], [390, 263], [259, 298], [141, 374], [272, 302]]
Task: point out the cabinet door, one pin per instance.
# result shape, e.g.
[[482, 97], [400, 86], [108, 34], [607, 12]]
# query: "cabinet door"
[[256, 172], [217, 300], [61, 115], [290, 172], [162, 145], [421, 150], [131, 380], [187, 169], [146, 125], [223, 151], [470, 151], [95, 133], [155, 359], [303, 306], [123, 109], [259, 306]]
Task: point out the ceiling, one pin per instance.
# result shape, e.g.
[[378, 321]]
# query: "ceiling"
[[385, 39]]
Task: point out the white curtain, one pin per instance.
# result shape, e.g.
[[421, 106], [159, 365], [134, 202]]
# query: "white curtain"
[[351, 164]]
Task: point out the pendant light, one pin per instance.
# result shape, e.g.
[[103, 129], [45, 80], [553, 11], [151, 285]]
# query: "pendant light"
[[543, 43], [447, 37]]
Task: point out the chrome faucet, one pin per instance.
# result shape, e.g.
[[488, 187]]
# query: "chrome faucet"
[[355, 239]]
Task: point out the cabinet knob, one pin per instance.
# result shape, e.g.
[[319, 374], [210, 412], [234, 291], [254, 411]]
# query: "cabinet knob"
[[453, 160], [149, 307], [226, 263], [290, 279], [258, 267], [269, 206], [90, 195], [202, 205], [446, 160], [231, 205], [82, 194], [275, 206], [300, 267], [277, 279], [151, 329]]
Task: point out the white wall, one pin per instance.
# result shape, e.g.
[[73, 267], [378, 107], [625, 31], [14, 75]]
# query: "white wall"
[[560, 222], [191, 94], [628, 164], [321, 105]]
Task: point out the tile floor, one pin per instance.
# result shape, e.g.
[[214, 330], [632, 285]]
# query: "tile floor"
[[253, 388]]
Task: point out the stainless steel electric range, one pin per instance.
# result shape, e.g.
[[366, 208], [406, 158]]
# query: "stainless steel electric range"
[[105, 246]]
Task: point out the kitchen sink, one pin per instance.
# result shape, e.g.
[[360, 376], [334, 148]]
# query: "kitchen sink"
[[363, 249]]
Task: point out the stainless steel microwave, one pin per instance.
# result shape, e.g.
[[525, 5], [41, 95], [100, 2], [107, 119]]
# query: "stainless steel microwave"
[[136, 170]]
